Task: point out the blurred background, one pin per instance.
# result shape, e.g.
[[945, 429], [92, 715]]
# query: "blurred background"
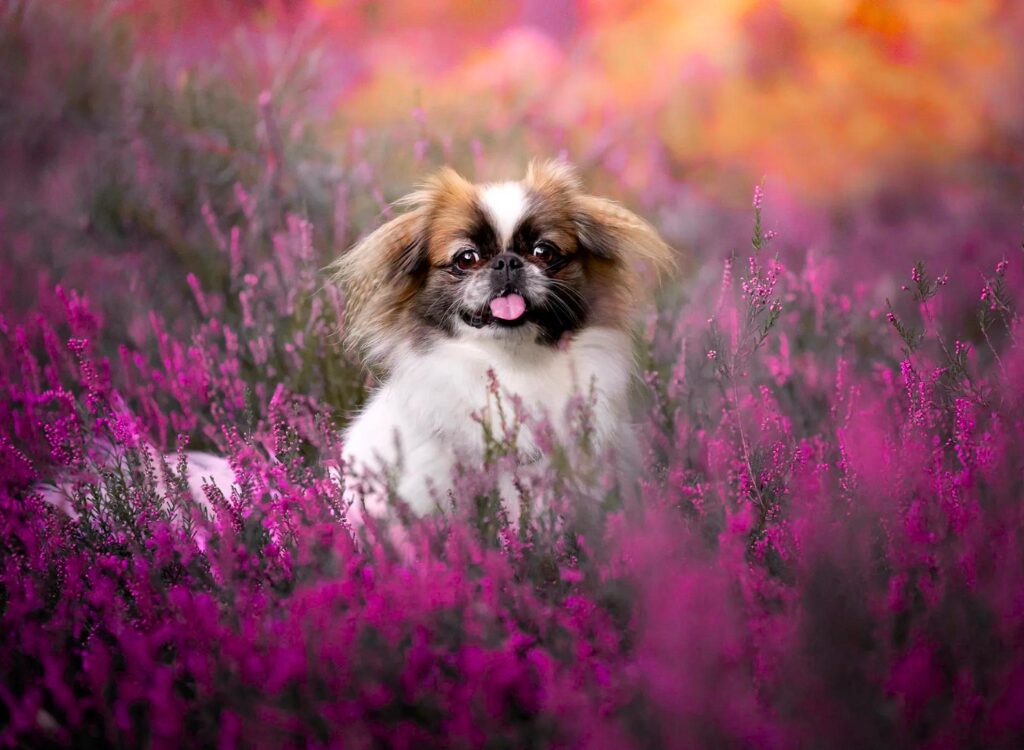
[[885, 130]]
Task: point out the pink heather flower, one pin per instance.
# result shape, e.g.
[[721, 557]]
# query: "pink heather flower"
[[492, 382], [214, 229], [712, 354], [244, 299], [78, 345], [197, 293], [235, 253], [758, 197], [726, 284]]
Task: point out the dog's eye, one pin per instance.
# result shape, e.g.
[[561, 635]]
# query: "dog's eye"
[[544, 251], [466, 259]]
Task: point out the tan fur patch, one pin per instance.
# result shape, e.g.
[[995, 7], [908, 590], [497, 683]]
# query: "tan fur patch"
[[452, 209]]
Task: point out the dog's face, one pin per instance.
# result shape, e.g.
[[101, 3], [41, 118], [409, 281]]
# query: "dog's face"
[[517, 261], [504, 261]]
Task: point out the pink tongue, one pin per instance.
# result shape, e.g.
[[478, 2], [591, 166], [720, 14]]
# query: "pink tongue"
[[509, 307]]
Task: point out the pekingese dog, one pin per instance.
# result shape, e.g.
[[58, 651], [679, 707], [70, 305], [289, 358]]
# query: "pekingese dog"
[[518, 290], [533, 283]]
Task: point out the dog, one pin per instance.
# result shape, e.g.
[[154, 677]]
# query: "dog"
[[524, 291]]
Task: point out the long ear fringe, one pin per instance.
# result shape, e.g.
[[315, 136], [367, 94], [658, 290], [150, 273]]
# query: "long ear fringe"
[[612, 230], [361, 272], [371, 272], [632, 240]]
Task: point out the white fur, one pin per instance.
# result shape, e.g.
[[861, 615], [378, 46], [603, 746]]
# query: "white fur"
[[420, 421], [505, 202], [206, 468]]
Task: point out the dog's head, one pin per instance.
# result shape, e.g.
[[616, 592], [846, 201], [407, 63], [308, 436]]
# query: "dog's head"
[[516, 261]]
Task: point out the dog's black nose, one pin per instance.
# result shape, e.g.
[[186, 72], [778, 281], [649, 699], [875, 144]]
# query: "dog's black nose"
[[507, 262]]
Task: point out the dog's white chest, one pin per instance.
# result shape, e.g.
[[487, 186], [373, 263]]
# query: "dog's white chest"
[[428, 414]]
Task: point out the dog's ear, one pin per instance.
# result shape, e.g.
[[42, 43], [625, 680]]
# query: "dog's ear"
[[384, 268], [611, 232], [603, 228], [384, 261]]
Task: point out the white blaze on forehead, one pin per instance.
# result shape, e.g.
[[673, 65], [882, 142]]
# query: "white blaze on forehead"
[[505, 202]]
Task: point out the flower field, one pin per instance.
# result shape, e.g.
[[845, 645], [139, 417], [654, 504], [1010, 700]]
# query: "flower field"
[[825, 545]]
